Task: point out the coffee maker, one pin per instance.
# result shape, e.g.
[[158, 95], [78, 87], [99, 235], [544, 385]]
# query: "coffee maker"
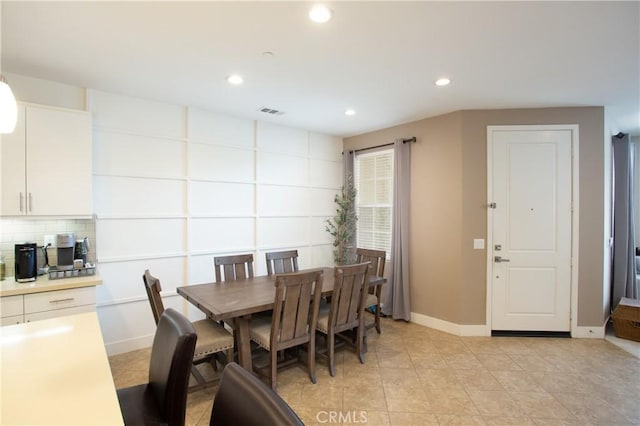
[[65, 244], [26, 268]]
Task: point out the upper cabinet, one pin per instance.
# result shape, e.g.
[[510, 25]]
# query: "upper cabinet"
[[46, 164]]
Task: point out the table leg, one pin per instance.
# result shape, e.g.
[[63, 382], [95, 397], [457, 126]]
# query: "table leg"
[[244, 341]]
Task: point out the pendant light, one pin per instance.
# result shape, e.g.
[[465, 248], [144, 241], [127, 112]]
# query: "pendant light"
[[8, 107]]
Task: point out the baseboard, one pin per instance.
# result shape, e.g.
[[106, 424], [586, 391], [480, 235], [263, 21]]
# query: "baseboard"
[[129, 345], [589, 332], [449, 327], [482, 330]]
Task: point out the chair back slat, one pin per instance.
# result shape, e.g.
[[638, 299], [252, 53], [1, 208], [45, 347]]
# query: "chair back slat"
[[349, 294], [282, 262], [153, 288], [290, 306], [295, 311], [304, 311], [237, 267]]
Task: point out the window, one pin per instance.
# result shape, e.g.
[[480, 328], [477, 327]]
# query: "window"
[[373, 179]]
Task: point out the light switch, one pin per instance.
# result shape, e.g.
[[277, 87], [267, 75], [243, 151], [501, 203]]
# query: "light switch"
[[478, 243]]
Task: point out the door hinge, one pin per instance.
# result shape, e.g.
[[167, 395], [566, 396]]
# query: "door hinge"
[[492, 205]]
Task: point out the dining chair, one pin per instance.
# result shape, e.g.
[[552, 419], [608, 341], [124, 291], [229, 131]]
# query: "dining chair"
[[377, 259], [163, 400], [242, 399], [279, 262], [235, 267], [292, 323], [213, 338], [346, 311]]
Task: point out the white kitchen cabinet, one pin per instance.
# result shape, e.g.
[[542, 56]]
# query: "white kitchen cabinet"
[[12, 320], [47, 304], [11, 310], [46, 163]]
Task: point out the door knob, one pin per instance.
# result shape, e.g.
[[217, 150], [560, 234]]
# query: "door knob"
[[500, 259]]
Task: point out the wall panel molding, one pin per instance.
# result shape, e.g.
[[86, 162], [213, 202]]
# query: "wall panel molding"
[[177, 186]]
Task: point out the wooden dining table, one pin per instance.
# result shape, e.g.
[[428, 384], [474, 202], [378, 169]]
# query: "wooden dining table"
[[237, 300]]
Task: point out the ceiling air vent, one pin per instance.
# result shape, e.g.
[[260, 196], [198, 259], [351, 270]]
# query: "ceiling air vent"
[[271, 111]]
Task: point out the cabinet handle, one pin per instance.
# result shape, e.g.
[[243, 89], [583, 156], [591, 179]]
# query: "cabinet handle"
[[21, 203], [68, 299], [30, 203]]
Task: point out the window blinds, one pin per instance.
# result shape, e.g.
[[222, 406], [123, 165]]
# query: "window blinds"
[[373, 178]]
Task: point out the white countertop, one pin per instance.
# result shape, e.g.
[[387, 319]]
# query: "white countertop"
[[9, 287], [56, 371]]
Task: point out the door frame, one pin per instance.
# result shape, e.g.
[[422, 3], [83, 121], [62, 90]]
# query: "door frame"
[[575, 214]]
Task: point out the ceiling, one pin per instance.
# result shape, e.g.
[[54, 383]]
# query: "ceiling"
[[379, 58]]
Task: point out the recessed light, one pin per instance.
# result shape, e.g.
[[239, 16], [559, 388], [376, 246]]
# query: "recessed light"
[[320, 14], [443, 81], [350, 112], [235, 79]]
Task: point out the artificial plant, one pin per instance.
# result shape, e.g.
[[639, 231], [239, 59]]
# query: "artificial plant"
[[342, 227]]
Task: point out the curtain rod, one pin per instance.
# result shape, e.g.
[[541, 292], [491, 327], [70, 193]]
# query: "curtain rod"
[[409, 140]]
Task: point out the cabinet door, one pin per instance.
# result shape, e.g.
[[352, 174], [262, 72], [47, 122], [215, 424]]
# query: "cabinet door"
[[58, 162], [12, 169], [11, 305], [12, 320]]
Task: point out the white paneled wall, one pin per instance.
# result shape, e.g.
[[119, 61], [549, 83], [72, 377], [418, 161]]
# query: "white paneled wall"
[[175, 186]]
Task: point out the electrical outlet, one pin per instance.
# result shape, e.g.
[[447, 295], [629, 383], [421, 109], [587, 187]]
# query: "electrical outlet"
[[49, 239]]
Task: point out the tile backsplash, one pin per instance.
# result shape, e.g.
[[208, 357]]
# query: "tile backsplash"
[[15, 231]]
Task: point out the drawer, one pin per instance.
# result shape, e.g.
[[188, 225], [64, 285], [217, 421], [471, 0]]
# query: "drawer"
[[52, 300], [10, 306]]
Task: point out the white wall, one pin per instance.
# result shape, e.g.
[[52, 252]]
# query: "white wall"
[[175, 186]]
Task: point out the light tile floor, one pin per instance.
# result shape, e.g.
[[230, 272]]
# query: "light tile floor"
[[415, 375]]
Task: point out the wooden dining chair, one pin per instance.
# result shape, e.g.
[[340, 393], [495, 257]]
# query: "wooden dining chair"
[[292, 323], [231, 268], [378, 259], [279, 262], [213, 338], [346, 311], [163, 399]]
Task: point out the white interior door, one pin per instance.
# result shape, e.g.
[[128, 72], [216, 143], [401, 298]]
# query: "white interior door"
[[530, 229]]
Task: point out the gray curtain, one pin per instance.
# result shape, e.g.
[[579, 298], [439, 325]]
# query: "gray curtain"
[[347, 167], [396, 298], [624, 270]]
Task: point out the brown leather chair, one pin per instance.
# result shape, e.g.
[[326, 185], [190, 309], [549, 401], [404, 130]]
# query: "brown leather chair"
[[346, 311], [242, 399], [377, 259], [213, 338], [293, 322], [164, 399], [279, 262]]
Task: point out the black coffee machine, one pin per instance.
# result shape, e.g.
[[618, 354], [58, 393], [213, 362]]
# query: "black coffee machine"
[[26, 268]]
